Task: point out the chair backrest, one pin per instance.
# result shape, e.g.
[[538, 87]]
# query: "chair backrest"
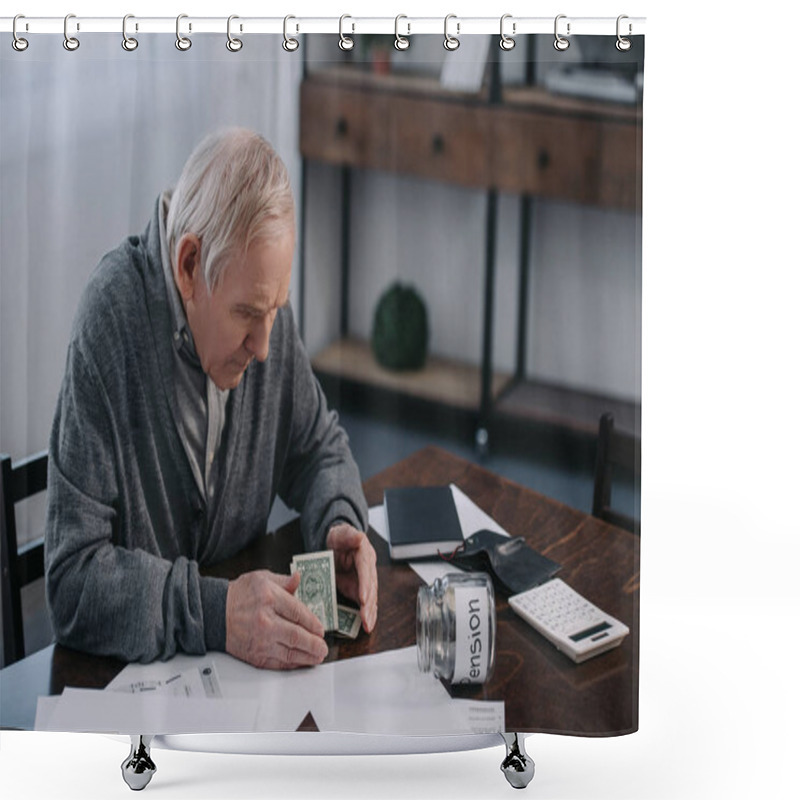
[[615, 448], [19, 567]]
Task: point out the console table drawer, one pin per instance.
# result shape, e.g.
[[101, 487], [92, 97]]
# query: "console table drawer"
[[442, 141], [586, 161], [546, 156], [522, 151], [344, 126], [374, 130]]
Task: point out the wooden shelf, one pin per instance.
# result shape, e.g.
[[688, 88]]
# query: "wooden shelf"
[[394, 83], [534, 97], [565, 407], [541, 99], [441, 380], [531, 143]]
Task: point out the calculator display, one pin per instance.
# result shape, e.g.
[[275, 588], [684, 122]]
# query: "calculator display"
[[576, 637]]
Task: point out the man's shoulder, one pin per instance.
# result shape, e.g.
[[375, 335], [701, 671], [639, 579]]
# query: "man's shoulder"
[[114, 299]]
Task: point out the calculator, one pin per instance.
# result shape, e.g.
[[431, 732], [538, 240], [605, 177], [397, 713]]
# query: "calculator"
[[575, 626]]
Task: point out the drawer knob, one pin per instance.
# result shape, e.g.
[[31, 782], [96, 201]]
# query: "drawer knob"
[[341, 127], [544, 159], [437, 144]]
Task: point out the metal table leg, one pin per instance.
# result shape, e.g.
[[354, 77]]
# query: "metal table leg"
[[518, 766], [138, 768]]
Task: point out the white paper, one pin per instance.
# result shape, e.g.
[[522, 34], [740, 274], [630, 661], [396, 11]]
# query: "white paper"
[[377, 521], [281, 699], [99, 711], [464, 68], [171, 677], [285, 698], [471, 518], [383, 693], [386, 693], [45, 706]]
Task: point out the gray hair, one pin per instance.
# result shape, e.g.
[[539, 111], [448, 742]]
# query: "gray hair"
[[234, 188]]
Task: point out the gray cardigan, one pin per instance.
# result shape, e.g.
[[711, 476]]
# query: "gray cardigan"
[[127, 526]]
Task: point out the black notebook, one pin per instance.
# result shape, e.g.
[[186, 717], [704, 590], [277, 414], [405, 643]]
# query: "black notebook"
[[421, 521]]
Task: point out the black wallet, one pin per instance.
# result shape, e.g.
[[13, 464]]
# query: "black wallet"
[[514, 565]]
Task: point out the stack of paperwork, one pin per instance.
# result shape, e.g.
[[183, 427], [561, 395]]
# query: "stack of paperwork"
[[379, 694]]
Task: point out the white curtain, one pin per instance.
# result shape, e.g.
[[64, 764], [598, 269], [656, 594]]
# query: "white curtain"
[[87, 141]]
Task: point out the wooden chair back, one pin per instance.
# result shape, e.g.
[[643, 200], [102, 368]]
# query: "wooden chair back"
[[615, 449], [19, 566]]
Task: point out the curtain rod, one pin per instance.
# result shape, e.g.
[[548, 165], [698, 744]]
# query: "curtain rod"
[[406, 26]]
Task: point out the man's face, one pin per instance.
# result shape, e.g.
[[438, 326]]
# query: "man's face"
[[231, 325]]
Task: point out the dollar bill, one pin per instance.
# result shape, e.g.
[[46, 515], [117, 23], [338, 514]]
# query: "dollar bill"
[[349, 622], [317, 590]]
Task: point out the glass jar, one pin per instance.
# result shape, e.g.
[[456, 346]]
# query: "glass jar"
[[456, 627]]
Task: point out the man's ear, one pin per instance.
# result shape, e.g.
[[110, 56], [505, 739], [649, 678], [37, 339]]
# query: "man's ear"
[[187, 266]]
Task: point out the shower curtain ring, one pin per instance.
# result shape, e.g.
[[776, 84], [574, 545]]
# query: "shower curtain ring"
[[451, 42], [233, 44], [622, 44], [507, 42], [128, 42], [561, 43], [345, 42], [70, 42], [289, 44], [401, 42], [183, 43], [18, 43]]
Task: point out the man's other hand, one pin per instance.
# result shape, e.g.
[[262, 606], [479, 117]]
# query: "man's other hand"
[[356, 575], [268, 627]]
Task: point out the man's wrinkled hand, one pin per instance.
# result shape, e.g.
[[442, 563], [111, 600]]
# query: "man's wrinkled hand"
[[356, 574], [268, 627]]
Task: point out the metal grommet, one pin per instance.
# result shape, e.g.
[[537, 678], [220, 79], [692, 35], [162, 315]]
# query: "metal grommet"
[[233, 44], [183, 43], [561, 43], [401, 42], [18, 43], [128, 42], [622, 44], [70, 42], [506, 42], [345, 42], [451, 42], [289, 44]]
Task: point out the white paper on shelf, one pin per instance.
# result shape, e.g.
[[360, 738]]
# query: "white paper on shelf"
[[464, 68]]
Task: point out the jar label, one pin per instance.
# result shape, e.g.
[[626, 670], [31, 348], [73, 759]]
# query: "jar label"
[[472, 634]]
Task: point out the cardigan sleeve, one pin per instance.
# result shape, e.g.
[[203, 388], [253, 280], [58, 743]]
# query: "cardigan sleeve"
[[320, 476], [105, 598]]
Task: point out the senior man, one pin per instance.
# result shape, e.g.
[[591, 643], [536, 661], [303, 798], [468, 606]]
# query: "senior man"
[[188, 404]]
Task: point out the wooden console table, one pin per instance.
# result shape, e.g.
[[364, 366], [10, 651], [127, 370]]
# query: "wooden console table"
[[519, 140]]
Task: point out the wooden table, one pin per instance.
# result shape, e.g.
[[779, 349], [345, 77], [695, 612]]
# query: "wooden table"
[[543, 690]]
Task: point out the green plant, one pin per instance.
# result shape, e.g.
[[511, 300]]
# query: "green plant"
[[400, 329]]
